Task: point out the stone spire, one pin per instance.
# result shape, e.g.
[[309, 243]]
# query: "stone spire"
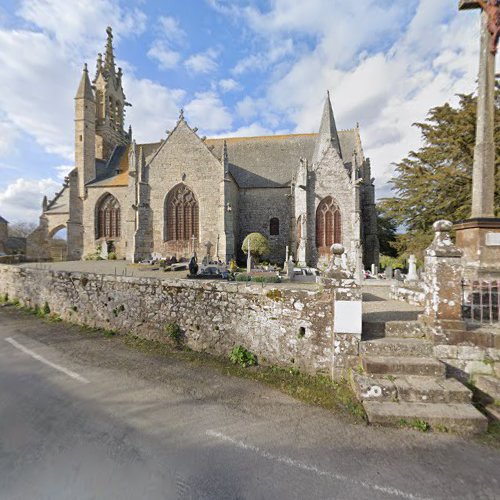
[[109, 60], [85, 88], [327, 132]]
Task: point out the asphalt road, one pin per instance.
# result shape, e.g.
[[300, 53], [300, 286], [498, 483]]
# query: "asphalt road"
[[89, 418]]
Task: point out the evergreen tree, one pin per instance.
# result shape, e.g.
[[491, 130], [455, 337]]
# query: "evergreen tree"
[[435, 182]]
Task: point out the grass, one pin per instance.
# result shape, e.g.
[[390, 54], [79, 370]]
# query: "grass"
[[416, 424]]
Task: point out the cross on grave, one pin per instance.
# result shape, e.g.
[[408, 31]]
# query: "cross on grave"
[[483, 176], [208, 246]]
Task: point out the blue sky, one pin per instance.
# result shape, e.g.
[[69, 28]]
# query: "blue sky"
[[237, 67]]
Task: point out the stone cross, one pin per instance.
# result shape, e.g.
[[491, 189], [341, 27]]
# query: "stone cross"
[[483, 176], [412, 269]]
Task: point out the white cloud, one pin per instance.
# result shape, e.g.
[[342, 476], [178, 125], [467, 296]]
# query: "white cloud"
[[207, 112], [229, 85], [202, 63], [22, 200], [154, 109], [171, 29], [77, 23], [166, 57], [262, 61]]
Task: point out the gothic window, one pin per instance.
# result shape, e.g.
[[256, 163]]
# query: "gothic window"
[[274, 226], [328, 224], [181, 215], [108, 218]]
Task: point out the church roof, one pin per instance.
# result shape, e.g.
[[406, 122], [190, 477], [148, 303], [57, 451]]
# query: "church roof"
[[254, 162], [113, 173], [3, 220], [271, 161]]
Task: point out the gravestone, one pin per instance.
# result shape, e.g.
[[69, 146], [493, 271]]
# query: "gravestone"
[[398, 275], [249, 258], [388, 272], [104, 250]]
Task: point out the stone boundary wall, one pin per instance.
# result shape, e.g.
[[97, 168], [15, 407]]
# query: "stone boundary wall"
[[291, 328]]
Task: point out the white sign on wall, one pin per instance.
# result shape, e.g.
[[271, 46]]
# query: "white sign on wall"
[[348, 317], [492, 239]]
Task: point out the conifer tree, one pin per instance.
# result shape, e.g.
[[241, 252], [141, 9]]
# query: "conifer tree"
[[435, 182]]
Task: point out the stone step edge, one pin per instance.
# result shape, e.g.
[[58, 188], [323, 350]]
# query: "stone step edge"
[[460, 418], [440, 369], [388, 386]]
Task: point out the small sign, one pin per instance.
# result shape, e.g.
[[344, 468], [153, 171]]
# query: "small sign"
[[348, 316], [492, 239]]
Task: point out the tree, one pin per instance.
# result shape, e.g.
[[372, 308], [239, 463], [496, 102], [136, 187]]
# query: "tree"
[[435, 182], [387, 234], [22, 229], [259, 246]]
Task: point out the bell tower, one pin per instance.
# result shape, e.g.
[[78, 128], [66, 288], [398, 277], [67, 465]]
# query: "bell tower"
[[110, 103]]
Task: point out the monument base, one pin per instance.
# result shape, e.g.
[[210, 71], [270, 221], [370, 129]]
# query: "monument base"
[[480, 240]]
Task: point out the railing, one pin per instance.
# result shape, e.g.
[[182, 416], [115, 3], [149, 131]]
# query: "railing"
[[481, 301]]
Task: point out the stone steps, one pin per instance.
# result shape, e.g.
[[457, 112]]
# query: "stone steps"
[[388, 346], [489, 386], [456, 417], [404, 365], [410, 389], [400, 329]]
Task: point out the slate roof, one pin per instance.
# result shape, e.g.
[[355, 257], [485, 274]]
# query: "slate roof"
[[106, 172], [3, 220], [254, 162]]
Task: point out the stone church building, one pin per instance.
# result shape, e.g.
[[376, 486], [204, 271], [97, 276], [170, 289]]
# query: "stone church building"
[[188, 193]]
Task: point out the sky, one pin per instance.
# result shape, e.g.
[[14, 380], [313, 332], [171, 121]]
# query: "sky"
[[236, 67]]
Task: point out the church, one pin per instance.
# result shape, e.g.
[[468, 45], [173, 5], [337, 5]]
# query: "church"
[[188, 194]]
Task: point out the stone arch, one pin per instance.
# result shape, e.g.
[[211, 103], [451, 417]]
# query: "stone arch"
[[181, 215], [58, 247], [107, 217], [328, 225]]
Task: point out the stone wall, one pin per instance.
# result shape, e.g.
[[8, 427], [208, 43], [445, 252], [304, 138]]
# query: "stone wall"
[[291, 328], [256, 209], [411, 293]]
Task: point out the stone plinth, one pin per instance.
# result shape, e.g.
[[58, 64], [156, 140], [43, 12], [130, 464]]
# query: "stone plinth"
[[480, 241], [443, 280]]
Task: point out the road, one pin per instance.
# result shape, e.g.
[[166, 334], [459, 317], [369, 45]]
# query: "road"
[[85, 417]]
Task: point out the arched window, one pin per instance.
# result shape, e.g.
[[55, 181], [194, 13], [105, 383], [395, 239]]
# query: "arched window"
[[181, 214], [274, 226], [328, 225], [108, 218]]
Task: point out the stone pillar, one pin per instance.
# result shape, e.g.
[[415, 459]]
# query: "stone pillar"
[[479, 236], [347, 313], [443, 281]]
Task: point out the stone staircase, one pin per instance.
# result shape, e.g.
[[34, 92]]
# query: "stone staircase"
[[401, 383]]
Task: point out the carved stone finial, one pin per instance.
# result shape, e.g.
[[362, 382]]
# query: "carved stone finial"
[[181, 114], [337, 269], [443, 246]]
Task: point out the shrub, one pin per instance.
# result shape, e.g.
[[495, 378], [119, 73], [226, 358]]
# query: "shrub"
[[243, 357], [266, 279], [243, 277], [259, 246], [46, 309], [233, 266], [112, 256], [174, 332]]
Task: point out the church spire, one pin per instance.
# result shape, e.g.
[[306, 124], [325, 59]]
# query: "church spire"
[[109, 59], [327, 132], [85, 88]]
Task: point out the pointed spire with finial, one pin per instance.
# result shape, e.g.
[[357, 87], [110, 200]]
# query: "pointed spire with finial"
[[109, 61], [328, 134], [45, 204], [98, 65], [85, 88]]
